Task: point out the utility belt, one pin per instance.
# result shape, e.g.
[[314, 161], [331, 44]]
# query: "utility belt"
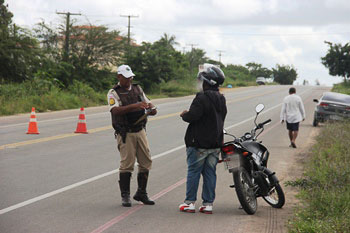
[[122, 131], [134, 129]]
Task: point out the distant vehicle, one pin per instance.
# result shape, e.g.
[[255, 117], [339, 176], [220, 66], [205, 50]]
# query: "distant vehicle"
[[261, 80], [331, 106]]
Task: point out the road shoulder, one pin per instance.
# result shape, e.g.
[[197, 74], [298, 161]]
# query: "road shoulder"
[[288, 163]]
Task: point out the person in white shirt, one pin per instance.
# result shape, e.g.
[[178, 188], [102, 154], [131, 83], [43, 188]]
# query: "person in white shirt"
[[292, 113]]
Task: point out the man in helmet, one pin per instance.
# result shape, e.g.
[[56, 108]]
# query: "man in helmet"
[[203, 139], [129, 107]]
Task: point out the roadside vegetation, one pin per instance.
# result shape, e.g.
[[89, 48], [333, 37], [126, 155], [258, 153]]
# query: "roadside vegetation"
[[74, 65], [342, 88], [325, 185], [47, 96]]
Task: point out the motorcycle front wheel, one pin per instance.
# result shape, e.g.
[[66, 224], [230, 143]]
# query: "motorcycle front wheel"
[[245, 190], [275, 198]]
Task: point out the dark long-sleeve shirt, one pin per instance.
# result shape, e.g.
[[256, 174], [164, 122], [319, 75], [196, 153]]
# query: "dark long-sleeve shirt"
[[206, 118]]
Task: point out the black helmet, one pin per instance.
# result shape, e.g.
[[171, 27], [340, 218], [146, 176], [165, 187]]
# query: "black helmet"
[[213, 75]]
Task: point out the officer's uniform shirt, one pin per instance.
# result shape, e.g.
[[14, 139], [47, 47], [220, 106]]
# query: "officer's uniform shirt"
[[114, 100]]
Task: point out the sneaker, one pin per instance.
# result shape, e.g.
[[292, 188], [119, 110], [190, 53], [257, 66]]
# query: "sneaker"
[[207, 209], [189, 208]]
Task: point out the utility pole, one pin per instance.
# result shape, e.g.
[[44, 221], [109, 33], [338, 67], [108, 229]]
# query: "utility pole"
[[220, 51], [192, 45], [191, 56], [66, 45], [129, 16]]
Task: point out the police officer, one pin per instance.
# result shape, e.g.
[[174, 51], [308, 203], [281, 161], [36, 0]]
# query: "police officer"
[[129, 107]]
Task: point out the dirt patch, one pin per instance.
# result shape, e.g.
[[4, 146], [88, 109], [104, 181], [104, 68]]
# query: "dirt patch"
[[295, 171]]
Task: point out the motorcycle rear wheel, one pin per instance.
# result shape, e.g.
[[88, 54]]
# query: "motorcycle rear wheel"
[[245, 190], [276, 197]]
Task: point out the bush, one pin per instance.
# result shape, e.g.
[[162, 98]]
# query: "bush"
[[47, 96], [342, 88]]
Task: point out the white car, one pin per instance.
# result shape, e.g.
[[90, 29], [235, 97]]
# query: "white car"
[[261, 80]]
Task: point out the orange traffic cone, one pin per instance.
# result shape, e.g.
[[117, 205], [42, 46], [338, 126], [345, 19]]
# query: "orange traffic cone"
[[33, 127], [81, 127]]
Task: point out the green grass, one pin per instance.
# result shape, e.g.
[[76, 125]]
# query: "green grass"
[[238, 83], [20, 98], [325, 187], [342, 88]]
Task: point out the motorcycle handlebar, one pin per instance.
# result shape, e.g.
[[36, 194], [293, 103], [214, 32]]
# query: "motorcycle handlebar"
[[265, 122], [261, 125], [241, 139]]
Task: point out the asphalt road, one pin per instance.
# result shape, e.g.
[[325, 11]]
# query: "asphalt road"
[[59, 181]]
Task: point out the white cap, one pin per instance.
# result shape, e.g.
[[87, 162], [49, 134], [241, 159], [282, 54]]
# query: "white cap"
[[125, 70]]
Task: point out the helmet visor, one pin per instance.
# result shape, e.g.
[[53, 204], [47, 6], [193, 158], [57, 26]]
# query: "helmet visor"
[[201, 77]]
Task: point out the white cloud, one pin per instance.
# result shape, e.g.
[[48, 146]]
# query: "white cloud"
[[237, 8]]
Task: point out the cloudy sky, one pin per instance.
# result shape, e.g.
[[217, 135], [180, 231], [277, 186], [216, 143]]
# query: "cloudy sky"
[[269, 32]]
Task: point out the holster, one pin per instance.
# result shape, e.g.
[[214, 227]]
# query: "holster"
[[122, 132]]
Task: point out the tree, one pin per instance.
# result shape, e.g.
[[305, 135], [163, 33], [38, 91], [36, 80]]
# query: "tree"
[[19, 51], [195, 57], [49, 39], [94, 50], [337, 60], [96, 46], [5, 20], [238, 72], [284, 74], [167, 41], [156, 63], [257, 70], [252, 66]]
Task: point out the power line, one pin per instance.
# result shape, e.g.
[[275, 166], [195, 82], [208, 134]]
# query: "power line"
[[243, 33], [201, 32]]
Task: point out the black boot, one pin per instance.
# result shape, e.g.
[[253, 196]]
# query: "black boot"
[[124, 184], [141, 194]]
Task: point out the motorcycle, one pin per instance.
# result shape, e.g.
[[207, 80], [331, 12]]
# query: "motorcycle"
[[246, 158]]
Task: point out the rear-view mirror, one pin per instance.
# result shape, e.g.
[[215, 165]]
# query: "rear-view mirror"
[[259, 108]]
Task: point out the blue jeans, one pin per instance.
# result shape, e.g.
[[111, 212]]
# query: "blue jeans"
[[201, 161]]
